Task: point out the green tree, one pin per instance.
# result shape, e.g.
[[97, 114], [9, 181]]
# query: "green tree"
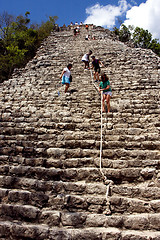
[[22, 22], [19, 41], [46, 28], [6, 21], [116, 30], [124, 33], [142, 38], [139, 37], [155, 46]]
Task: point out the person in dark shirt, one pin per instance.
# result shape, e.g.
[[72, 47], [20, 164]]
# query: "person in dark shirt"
[[95, 65]]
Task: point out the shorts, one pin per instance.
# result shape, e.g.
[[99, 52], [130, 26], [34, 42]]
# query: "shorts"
[[108, 93], [65, 80], [97, 70]]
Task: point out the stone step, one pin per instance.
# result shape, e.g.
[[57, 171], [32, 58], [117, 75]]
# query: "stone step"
[[58, 152], [142, 222], [132, 205], [86, 126], [35, 231], [19, 212], [51, 95], [149, 191], [40, 146], [89, 174], [14, 182], [60, 162], [151, 165], [24, 197], [111, 126], [128, 154], [65, 197], [138, 222], [97, 204]]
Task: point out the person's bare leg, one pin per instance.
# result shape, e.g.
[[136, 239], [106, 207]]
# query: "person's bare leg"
[[66, 88], [97, 76], [108, 102], [103, 103]]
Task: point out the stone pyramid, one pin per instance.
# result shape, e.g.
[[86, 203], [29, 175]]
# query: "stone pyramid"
[[51, 183]]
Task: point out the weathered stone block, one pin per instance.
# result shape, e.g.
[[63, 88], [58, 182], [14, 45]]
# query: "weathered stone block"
[[137, 222], [50, 218], [73, 219], [95, 220]]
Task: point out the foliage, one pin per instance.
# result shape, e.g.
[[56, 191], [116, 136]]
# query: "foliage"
[[19, 41], [46, 28], [116, 30], [139, 37], [155, 46], [5, 23], [124, 33]]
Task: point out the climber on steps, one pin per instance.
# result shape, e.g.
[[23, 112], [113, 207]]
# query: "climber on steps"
[[85, 59], [66, 76], [107, 92], [96, 65]]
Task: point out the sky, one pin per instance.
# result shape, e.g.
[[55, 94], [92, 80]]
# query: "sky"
[[105, 13]]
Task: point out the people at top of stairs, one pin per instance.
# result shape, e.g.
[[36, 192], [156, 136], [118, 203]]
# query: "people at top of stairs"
[[66, 76], [85, 59], [107, 92]]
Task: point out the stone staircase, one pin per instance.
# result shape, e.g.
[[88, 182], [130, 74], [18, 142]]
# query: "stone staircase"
[[51, 186]]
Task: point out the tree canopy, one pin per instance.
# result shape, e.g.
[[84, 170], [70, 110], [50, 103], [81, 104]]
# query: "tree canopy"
[[19, 41], [139, 38]]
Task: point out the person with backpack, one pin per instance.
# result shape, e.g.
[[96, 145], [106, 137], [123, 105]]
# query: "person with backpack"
[[107, 92], [85, 59], [66, 76], [95, 65]]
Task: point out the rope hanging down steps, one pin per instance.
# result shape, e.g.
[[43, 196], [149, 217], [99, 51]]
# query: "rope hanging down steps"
[[106, 181]]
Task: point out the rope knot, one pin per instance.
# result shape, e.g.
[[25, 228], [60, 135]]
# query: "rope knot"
[[107, 211], [108, 182]]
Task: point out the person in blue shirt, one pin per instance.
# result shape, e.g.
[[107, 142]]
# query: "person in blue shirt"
[[107, 92]]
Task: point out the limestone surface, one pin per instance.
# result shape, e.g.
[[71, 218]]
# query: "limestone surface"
[[52, 183]]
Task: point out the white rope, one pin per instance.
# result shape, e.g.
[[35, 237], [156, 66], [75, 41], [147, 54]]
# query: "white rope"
[[107, 181], [101, 135]]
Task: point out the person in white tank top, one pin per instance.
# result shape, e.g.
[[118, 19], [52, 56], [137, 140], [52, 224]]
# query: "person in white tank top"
[[85, 59], [65, 76]]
